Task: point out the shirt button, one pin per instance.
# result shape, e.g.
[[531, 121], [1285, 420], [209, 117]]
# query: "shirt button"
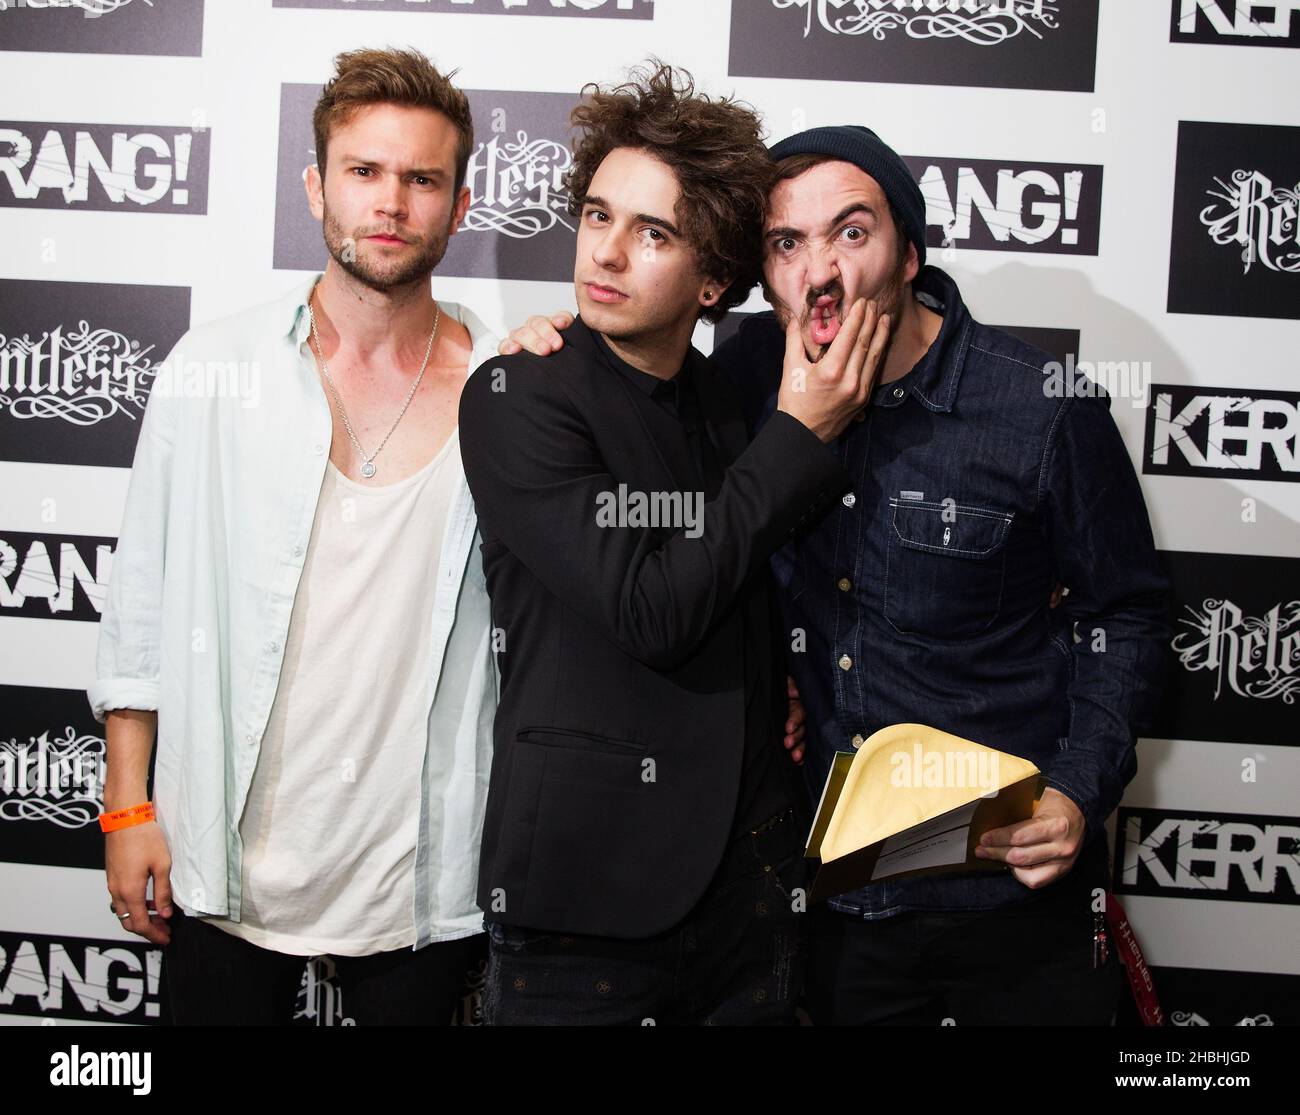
[[318, 448], [848, 499], [272, 646], [248, 739], [846, 662], [858, 741], [297, 551], [845, 584], [899, 392]]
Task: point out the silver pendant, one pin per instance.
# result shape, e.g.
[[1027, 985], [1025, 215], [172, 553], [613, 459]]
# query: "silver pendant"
[[368, 470]]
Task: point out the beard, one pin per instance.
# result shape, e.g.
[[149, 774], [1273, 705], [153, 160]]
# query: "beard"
[[888, 298], [345, 250]]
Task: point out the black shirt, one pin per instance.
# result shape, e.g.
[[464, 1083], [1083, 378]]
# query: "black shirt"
[[766, 786]]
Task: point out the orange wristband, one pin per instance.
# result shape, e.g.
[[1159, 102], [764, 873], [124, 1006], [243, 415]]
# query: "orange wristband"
[[125, 818]]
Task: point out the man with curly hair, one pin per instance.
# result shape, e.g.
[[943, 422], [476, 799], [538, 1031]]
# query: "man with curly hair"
[[641, 859]]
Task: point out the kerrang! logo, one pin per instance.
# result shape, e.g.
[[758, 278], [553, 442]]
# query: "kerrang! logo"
[[981, 22], [517, 186], [1270, 19], [1177, 427], [1257, 657], [83, 376], [161, 181], [1259, 855], [1262, 219]]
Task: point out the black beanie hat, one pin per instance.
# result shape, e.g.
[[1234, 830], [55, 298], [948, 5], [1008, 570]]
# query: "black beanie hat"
[[867, 151]]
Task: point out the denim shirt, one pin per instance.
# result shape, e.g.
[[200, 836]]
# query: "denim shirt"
[[923, 596], [218, 516]]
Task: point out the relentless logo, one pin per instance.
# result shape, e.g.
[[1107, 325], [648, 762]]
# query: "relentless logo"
[[83, 375], [1252, 656], [517, 186], [103, 26], [1010, 44], [320, 998], [1206, 997], [111, 167], [51, 777], [91, 9], [1236, 220], [78, 364], [1234, 649], [1200, 431], [48, 576], [1241, 22], [1191, 1018], [1045, 207], [982, 22], [1203, 855], [1259, 217], [78, 979], [517, 227], [59, 779]]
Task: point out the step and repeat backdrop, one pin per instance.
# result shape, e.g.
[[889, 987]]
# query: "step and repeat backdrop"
[[1116, 180]]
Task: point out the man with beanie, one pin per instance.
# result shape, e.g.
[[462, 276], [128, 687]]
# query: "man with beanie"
[[923, 596]]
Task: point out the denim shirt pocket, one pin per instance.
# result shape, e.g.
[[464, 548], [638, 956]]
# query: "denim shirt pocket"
[[944, 568]]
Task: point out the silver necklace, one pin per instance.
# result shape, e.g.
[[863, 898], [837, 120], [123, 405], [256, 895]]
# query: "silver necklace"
[[368, 462]]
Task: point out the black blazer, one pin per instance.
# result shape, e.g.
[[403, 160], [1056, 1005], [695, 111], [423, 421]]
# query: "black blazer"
[[619, 735]]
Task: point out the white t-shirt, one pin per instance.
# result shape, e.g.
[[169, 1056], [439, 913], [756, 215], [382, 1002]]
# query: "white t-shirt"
[[329, 829]]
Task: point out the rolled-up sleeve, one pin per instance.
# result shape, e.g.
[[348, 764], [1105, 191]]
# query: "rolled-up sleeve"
[[130, 629]]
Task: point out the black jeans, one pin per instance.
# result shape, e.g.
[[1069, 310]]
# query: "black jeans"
[[1027, 964], [217, 979], [736, 959]]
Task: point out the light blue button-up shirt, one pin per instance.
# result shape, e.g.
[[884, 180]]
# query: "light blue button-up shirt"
[[219, 512]]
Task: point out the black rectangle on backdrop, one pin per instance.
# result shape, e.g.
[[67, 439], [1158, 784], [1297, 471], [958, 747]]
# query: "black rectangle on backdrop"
[[1005, 44], [1235, 857], [1228, 432], [51, 778], [108, 168], [77, 362], [1204, 997], [54, 576], [164, 27], [82, 979], [1235, 670], [1234, 22], [1002, 205], [1235, 247]]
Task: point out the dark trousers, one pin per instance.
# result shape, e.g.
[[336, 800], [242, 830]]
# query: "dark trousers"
[[736, 959], [1029, 964], [217, 979]]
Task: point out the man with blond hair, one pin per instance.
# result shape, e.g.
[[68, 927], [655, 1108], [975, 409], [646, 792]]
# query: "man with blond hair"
[[297, 610]]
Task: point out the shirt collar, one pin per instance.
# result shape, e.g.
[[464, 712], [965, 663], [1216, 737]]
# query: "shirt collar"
[[933, 379], [293, 309], [645, 382], [293, 312]]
